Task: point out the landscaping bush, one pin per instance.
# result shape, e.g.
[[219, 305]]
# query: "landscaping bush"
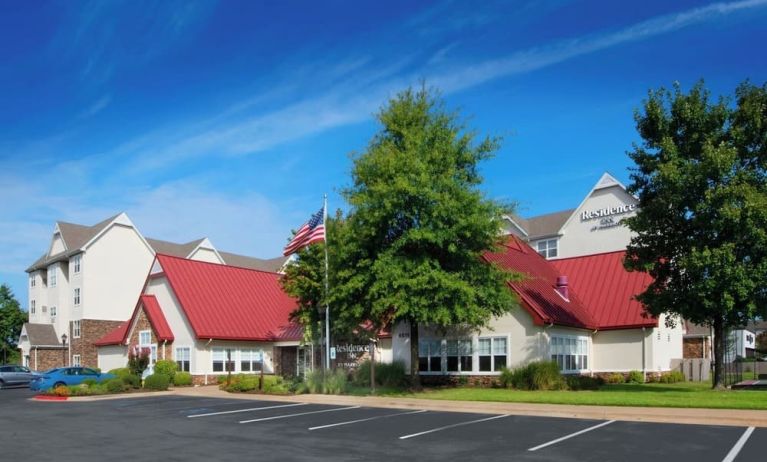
[[138, 360], [387, 375], [537, 375], [615, 377], [115, 385], [89, 382], [61, 390], [635, 377], [166, 367], [124, 374], [335, 382], [583, 382], [671, 377], [182, 379], [157, 382]]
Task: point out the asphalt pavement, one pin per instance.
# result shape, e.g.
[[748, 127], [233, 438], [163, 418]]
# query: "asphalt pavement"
[[191, 428]]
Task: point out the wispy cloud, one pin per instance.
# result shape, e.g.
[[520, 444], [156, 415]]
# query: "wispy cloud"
[[98, 106]]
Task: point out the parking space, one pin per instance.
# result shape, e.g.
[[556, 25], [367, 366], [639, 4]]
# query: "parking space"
[[192, 428]]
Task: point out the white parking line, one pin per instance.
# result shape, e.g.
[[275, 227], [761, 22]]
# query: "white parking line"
[[571, 435], [739, 445], [300, 413], [245, 410], [365, 420], [439, 429]]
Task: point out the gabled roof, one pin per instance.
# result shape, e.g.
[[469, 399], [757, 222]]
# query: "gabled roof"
[[171, 248], [607, 289], [537, 290], [272, 265], [119, 335], [230, 303], [41, 335], [540, 226]]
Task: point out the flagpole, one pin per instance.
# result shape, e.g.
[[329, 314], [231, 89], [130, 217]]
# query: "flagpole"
[[327, 290]]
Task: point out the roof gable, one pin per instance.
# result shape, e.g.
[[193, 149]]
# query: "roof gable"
[[153, 312], [230, 303]]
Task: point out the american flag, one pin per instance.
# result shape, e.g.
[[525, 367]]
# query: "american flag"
[[310, 232]]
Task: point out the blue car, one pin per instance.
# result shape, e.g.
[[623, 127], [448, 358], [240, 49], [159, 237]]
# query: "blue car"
[[66, 376]]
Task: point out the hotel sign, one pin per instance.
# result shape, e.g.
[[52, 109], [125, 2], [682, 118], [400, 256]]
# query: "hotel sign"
[[587, 215]]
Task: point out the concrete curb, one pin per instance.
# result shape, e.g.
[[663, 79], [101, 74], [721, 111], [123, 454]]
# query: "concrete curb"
[[726, 417], [80, 399]]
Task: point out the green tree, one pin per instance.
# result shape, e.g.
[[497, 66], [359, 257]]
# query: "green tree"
[[419, 225], [12, 318], [701, 228]]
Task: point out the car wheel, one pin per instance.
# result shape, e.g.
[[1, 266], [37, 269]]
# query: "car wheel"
[[59, 384]]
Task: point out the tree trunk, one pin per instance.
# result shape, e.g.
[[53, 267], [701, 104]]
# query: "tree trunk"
[[415, 378], [719, 342]]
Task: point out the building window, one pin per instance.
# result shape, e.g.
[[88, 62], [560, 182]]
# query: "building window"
[[75, 360], [145, 338], [220, 357], [77, 296], [250, 360], [76, 264], [51, 276], [31, 307], [76, 329], [45, 309], [430, 356], [53, 314], [492, 354], [570, 353], [32, 280], [459, 356], [183, 358], [548, 248]]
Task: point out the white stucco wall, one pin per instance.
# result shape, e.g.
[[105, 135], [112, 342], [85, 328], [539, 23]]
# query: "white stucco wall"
[[112, 357], [621, 350], [115, 267], [582, 236], [208, 255]]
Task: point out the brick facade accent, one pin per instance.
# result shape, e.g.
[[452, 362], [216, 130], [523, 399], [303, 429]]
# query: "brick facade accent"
[[284, 360], [42, 359], [142, 323], [90, 331], [695, 348]]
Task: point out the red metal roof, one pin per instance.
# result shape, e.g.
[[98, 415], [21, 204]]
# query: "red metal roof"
[[119, 335], [230, 303], [607, 289], [537, 290]]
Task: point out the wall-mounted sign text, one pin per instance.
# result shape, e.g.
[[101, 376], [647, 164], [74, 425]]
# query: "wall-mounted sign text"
[[587, 215]]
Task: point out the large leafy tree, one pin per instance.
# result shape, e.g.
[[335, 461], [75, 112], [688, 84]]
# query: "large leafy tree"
[[419, 224], [12, 318], [701, 228]]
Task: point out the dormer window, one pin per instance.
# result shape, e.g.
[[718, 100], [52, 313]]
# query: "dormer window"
[[547, 248]]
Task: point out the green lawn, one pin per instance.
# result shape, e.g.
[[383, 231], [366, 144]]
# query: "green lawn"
[[688, 394]]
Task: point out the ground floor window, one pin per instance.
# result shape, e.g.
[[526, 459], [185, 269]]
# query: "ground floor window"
[[492, 353], [430, 356], [240, 360], [250, 360], [183, 358], [570, 353], [459, 356], [75, 360]]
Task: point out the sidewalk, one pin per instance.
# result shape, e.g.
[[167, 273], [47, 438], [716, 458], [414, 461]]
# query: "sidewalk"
[[730, 417]]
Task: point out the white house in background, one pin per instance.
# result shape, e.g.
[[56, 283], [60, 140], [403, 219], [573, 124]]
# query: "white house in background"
[[86, 282], [202, 315]]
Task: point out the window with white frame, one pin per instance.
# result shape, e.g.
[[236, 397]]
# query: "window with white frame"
[[31, 307], [76, 329], [32, 280], [570, 353], [75, 360], [492, 353], [548, 248], [459, 356], [76, 264], [52, 276], [76, 296], [183, 358], [430, 355], [218, 357], [53, 314], [250, 360], [145, 338]]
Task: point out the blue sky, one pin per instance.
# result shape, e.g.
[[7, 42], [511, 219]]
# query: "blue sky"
[[231, 119]]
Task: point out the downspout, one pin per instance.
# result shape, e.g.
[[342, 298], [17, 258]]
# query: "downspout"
[[206, 369], [591, 353], [548, 342], [164, 345], [36, 367], [644, 360]]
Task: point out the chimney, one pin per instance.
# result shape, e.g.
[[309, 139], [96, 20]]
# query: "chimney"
[[562, 287]]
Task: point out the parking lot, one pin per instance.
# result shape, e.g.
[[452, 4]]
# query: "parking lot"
[[198, 428]]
